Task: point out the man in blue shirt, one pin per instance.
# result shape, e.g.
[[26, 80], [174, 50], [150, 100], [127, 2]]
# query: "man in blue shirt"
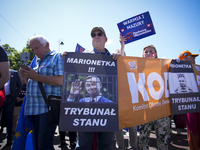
[[49, 71]]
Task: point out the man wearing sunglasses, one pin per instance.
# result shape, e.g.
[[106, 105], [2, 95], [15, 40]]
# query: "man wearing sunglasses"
[[105, 140], [192, 119], [99, 40]]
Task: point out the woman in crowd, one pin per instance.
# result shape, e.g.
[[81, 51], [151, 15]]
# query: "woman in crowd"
[[160, 125]]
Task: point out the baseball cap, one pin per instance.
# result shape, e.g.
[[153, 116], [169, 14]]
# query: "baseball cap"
[[98, 29], [185, 54]]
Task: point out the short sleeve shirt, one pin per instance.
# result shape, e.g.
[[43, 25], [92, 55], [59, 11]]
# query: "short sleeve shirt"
[[51, 65]]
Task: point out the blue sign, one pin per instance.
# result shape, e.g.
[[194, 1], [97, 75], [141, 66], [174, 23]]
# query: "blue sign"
[[79, 48], [137, 27]]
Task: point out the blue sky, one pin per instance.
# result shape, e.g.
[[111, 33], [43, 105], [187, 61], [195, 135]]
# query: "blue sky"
[[176, 23]]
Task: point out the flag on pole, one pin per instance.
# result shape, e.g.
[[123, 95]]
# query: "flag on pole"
[[79, 48], [24, 125]]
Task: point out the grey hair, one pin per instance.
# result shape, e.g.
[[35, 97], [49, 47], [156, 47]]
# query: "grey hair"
[[39, 38]]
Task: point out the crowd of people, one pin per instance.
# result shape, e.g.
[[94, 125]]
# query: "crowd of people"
[[49, 71]]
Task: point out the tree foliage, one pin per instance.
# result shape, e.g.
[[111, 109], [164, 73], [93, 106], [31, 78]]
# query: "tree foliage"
[[15, 57]]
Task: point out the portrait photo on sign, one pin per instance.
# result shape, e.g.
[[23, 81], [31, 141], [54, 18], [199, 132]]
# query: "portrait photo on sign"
[[182, 83], [90, 88]]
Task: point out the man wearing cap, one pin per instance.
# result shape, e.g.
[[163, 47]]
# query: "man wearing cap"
[[192, 119], [188, 56], [99, 40], [105, 139]]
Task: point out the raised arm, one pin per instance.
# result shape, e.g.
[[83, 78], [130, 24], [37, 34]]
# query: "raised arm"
[[122, 42], [120, 52]]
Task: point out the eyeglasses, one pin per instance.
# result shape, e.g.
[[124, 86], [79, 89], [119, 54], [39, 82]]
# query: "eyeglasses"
[[98, 34]]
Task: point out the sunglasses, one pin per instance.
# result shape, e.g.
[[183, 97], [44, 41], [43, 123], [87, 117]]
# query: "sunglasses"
[[98, 34]]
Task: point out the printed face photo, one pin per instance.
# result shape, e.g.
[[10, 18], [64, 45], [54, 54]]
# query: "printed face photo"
[[93, 86], [85, 88], [182, 83]]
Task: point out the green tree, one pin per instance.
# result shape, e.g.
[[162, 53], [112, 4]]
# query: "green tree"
[[15, 57]]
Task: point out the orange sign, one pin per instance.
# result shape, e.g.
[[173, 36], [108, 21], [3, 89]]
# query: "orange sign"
[[143, 91]]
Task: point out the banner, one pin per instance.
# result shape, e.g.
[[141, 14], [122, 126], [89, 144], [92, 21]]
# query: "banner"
[[137, 27], [79, 48], [184, 91], [89, 93], [196, 69], [143, 91]]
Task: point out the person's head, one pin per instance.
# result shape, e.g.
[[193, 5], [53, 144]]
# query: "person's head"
[[182, 80], [93, 85], [188, 56], [39, 45], [150, 51], [99, 38]]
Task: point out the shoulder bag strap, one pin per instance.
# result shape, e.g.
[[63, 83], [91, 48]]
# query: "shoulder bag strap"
[[42, 90]]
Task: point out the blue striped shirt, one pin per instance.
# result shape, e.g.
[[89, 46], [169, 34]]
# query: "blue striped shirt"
[[51, 65]]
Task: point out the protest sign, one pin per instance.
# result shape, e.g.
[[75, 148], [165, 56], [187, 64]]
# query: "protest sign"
[[137, 27], [143, 90], [88, 78], [142, 96], [184, 91]]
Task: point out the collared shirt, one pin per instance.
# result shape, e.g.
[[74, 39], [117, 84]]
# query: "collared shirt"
[[97, 52], [99, 98], [51, 65], [7, 88], [87, 99]]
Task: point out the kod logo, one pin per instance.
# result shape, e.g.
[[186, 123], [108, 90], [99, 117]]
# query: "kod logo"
[[129, 35], [135, 87]]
